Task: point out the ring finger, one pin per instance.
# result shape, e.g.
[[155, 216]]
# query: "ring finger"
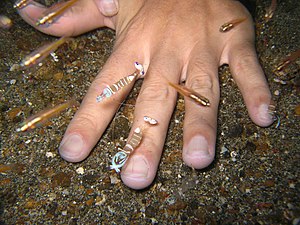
[[200, 123]]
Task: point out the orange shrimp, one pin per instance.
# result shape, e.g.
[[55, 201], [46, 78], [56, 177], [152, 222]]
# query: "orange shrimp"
[[42, 117], [20, 4], [231, 24], [270, 10], [288, 60], [40, 54], [188, 92], [51, 14]]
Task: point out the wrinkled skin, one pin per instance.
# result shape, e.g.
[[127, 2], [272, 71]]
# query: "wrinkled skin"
[[174, 40]]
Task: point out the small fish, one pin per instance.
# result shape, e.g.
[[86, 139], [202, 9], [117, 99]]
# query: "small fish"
[[288, 60], [5, 22], [20, 4], [123, 82], [40, 54], [187, 92], [270, 10], [231, 24], [42, 117], [55, 11]]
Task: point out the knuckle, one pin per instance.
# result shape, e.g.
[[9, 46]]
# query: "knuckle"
[[246, 60], [154, 92], [201, 81], [85, 120]]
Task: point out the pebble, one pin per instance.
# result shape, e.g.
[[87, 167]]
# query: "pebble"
[[4, 168], [233, 155], [223, 150], [177, 206], [13, 81], [114, 179], [14, 67], [58, 76], [61, 179], [269, 183], [30, 204], [80, 170], [14, 167], [100, 200], [296, 221], [5, 181], [89, 202], [65, 192], [297, 110], [52, 196], [292, 185], [49, 155]]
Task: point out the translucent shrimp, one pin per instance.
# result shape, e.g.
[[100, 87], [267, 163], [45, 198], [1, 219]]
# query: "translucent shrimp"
[[55, 11], [121, 157], [40, 54], [20, 4], [231, 24], [270, 10], [123, 82], [288, 60], [191, 94], [42, 117]]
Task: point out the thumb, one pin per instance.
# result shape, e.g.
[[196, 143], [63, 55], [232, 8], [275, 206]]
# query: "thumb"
[[108, 7], [82, 17]]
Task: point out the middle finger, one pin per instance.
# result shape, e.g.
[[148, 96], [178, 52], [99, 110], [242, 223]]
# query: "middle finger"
[[156, 100]]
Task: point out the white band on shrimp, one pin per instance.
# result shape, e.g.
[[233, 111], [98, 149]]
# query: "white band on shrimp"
[[150, 120], [112, 89]]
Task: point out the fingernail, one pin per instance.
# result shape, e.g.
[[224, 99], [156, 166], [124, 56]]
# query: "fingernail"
[[266, 113], [198, 148], [71, 146], [107, 7], [136, 168]]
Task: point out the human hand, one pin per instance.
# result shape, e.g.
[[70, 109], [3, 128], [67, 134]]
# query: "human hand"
[[177, 41]]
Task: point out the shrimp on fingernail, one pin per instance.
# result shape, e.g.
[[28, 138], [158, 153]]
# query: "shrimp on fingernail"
[[120, 158]]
